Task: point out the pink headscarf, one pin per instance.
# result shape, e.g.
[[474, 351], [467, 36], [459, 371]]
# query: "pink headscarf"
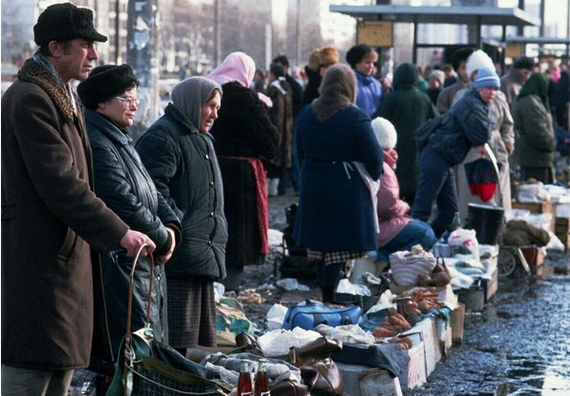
[[237, 66]]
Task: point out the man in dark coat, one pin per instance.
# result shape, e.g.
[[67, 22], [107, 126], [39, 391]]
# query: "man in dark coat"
[[53, 316], [407, 108]]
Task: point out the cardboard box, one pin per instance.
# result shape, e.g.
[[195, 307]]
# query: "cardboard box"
[[368, 381]]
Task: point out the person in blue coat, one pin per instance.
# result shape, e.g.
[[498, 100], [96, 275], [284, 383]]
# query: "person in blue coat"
[[467, 124], [370, 92], [335, 218]]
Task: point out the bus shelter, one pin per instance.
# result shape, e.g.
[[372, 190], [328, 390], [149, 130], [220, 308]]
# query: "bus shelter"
[[455, 15]]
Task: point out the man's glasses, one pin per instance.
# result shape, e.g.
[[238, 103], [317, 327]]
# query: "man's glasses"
[[128, 101]]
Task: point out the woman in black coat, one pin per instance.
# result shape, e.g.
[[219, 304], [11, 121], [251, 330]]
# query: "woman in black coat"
[[244, 135], [110, 98], [179, 154]]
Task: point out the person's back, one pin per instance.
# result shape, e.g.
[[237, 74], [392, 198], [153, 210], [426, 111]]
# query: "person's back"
[[407, 108]]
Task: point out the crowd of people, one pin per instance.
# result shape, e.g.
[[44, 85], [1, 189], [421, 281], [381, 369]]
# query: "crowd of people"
[[81, 199]]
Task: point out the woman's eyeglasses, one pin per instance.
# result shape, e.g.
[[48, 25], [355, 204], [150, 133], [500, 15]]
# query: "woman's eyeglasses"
[[128, 101]]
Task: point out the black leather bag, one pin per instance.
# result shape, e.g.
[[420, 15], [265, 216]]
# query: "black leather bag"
[[423, 133]]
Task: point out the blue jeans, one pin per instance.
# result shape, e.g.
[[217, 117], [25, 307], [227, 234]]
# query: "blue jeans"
[[414, 233], [437, 183]]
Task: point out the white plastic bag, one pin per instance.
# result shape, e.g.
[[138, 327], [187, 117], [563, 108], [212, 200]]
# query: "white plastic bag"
[[464, 241]]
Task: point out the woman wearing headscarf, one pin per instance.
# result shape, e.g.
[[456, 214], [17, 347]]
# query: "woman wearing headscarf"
[[109, 95], [335, 218], [535, 134], [407, 108], [179, 154], [244, 135]]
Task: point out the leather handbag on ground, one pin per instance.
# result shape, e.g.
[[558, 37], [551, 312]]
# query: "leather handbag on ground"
[[149, 367], [319, 372], [314, 313]]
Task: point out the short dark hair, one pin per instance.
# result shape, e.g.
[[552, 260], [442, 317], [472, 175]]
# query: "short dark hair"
[[281, 59], [460, 55], [277, 70]]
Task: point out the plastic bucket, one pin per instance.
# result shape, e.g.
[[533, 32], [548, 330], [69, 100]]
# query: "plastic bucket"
[[487, 221]]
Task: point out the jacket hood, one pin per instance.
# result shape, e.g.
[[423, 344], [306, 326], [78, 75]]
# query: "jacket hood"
[[406, 75]]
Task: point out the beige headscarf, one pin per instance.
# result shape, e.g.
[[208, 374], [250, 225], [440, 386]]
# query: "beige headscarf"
[[338, 92], [191, 94]]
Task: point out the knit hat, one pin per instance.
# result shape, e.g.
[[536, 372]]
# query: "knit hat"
[[104, 83], [439, 75], [329, 56], [478, 60], [487, 77], [524, 62], [359, 52], [385, 133], [62, 22]]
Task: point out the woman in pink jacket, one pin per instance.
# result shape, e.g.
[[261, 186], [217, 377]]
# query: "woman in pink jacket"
[[398, 231]]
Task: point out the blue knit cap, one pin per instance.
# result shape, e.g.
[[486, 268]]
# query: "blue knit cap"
[[487, 77]]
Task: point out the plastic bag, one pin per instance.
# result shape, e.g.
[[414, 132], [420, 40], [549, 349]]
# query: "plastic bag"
[[463, 241]]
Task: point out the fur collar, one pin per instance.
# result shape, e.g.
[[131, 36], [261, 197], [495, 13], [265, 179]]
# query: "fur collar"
[[34, 73]]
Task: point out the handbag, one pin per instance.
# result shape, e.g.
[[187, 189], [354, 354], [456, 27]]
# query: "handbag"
[[147, 366], [318, 370], [314, 313], [422, 134]]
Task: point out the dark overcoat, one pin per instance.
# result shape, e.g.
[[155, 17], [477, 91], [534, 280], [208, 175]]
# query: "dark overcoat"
[[122, 181], [52, 302], [335, 212], [183, 164], [243, 129], [407, 108]]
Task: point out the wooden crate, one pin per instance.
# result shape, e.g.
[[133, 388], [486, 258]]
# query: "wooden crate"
[[562, 230], [543, 207], [534, 207], [457, 322]]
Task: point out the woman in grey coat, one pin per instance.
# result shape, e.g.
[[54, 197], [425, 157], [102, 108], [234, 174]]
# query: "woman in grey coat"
[[179, 154], [535, 134]]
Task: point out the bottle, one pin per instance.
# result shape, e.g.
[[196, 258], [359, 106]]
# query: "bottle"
[[456, 222], [245, 385], [261, 380]]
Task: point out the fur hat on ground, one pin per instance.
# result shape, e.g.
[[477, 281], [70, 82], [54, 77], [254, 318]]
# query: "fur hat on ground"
[[524, 62], [104, 83], [360, 52], [487, 77], [63, 22], [329, 56], [478, 60], [385, 133]]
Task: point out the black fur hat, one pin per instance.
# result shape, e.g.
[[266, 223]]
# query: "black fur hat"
[[357, 53], [104, 83], [62, 22]]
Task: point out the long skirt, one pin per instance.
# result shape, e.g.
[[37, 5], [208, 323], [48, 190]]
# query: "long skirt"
[[191, 312]]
